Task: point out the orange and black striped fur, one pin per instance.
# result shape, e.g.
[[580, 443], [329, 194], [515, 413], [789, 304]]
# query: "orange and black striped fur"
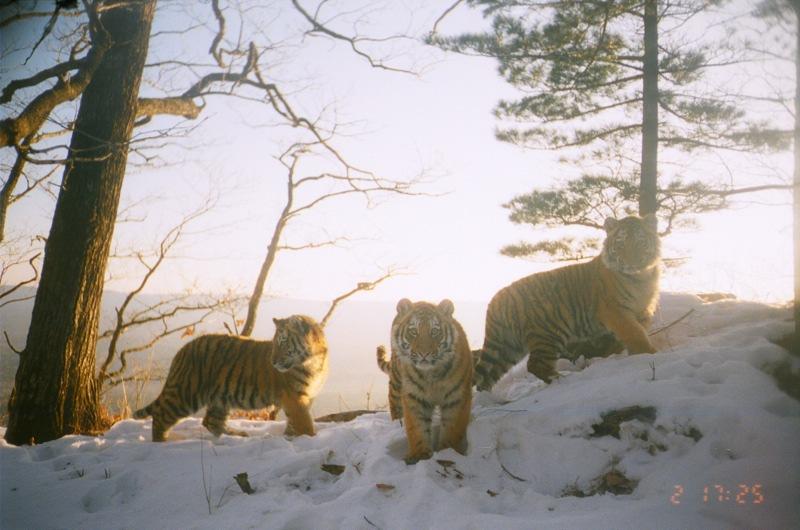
[[431, 366], [541, 314], [221, 372]]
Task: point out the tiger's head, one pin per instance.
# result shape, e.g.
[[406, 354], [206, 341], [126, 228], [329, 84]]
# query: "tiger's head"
[[423, 334], [632, 244], [297, 338]]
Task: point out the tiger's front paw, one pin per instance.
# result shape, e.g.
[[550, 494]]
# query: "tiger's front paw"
[[413, 458], [481, 384]]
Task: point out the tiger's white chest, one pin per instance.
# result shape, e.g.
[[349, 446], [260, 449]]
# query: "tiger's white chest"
[[318, 366]]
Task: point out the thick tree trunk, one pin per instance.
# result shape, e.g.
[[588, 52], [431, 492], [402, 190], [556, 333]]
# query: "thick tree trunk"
[[55, 391], [648, 184]]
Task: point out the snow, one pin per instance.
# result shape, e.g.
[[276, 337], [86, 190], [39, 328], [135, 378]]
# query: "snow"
[[719, 420]]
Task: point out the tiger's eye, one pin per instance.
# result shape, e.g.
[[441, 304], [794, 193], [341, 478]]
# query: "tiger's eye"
[[434, 332]]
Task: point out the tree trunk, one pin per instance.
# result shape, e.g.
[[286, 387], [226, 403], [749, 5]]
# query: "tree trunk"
[[266, 266], [8, 188], [797, 178], [55, 391], [649, 169]]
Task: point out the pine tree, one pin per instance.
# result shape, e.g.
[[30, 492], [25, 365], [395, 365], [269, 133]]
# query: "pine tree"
[[598, 75]]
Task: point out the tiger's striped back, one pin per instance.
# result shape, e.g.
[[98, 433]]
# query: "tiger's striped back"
[[222, 372], [541, 314]]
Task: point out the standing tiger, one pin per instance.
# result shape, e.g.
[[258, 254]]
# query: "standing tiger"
[[543, 313], [431, 366], [222, 372]]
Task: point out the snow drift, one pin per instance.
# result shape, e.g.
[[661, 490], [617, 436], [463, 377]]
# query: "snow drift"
[[702, 438]]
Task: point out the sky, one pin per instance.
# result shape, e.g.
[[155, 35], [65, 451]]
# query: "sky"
[[438, 124]]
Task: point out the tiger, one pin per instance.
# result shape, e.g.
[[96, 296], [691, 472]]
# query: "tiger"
[[430, 367], [221, 372], [613, 295]]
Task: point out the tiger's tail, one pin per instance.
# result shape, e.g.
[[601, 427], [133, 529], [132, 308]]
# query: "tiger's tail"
[[383, 362], [477, 375], [145, 412]]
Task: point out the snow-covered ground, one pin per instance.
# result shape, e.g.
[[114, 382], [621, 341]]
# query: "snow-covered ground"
[[713, 444]]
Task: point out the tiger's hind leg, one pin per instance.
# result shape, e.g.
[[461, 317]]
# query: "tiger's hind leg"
[[166, 413], [493, 364], [543, 356], [395, 401], [214, 421]]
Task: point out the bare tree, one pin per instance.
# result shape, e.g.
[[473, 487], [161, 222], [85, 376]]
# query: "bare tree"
[[93, 41], [347, 181], [169, 313], [360, 287], [55, 391]]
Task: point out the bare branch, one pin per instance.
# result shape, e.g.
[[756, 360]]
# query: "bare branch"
[[349, 183], [319, 244], [28, 122], [161, 311], [58, 70], [48, 28], [361, 286], [17, 17], [443, 15], [8, 341], [30, 280], [176, 106], [664, 328], [748, 189], [214, 49], [141, 375], [317, 27]]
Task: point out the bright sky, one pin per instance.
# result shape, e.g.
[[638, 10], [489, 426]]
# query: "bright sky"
[[440, 121]]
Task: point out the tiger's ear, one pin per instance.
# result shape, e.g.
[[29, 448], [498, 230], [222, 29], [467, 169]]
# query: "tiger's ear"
[[446, 307], [277, 321], [651, 221], [403, 306], [610, 224]]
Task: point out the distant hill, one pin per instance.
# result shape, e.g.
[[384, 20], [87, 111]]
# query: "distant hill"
[[353, 332]]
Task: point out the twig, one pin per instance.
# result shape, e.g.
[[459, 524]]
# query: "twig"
[[370, 522], [206, 487], [8, 341], [362, 286], [24, 282], [659, 330], [499, 461], [510, 474], [443, 15]]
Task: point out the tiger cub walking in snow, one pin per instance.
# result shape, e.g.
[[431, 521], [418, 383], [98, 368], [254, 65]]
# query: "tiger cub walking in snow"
[[541, 314], [431, 366], [221, 372]]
